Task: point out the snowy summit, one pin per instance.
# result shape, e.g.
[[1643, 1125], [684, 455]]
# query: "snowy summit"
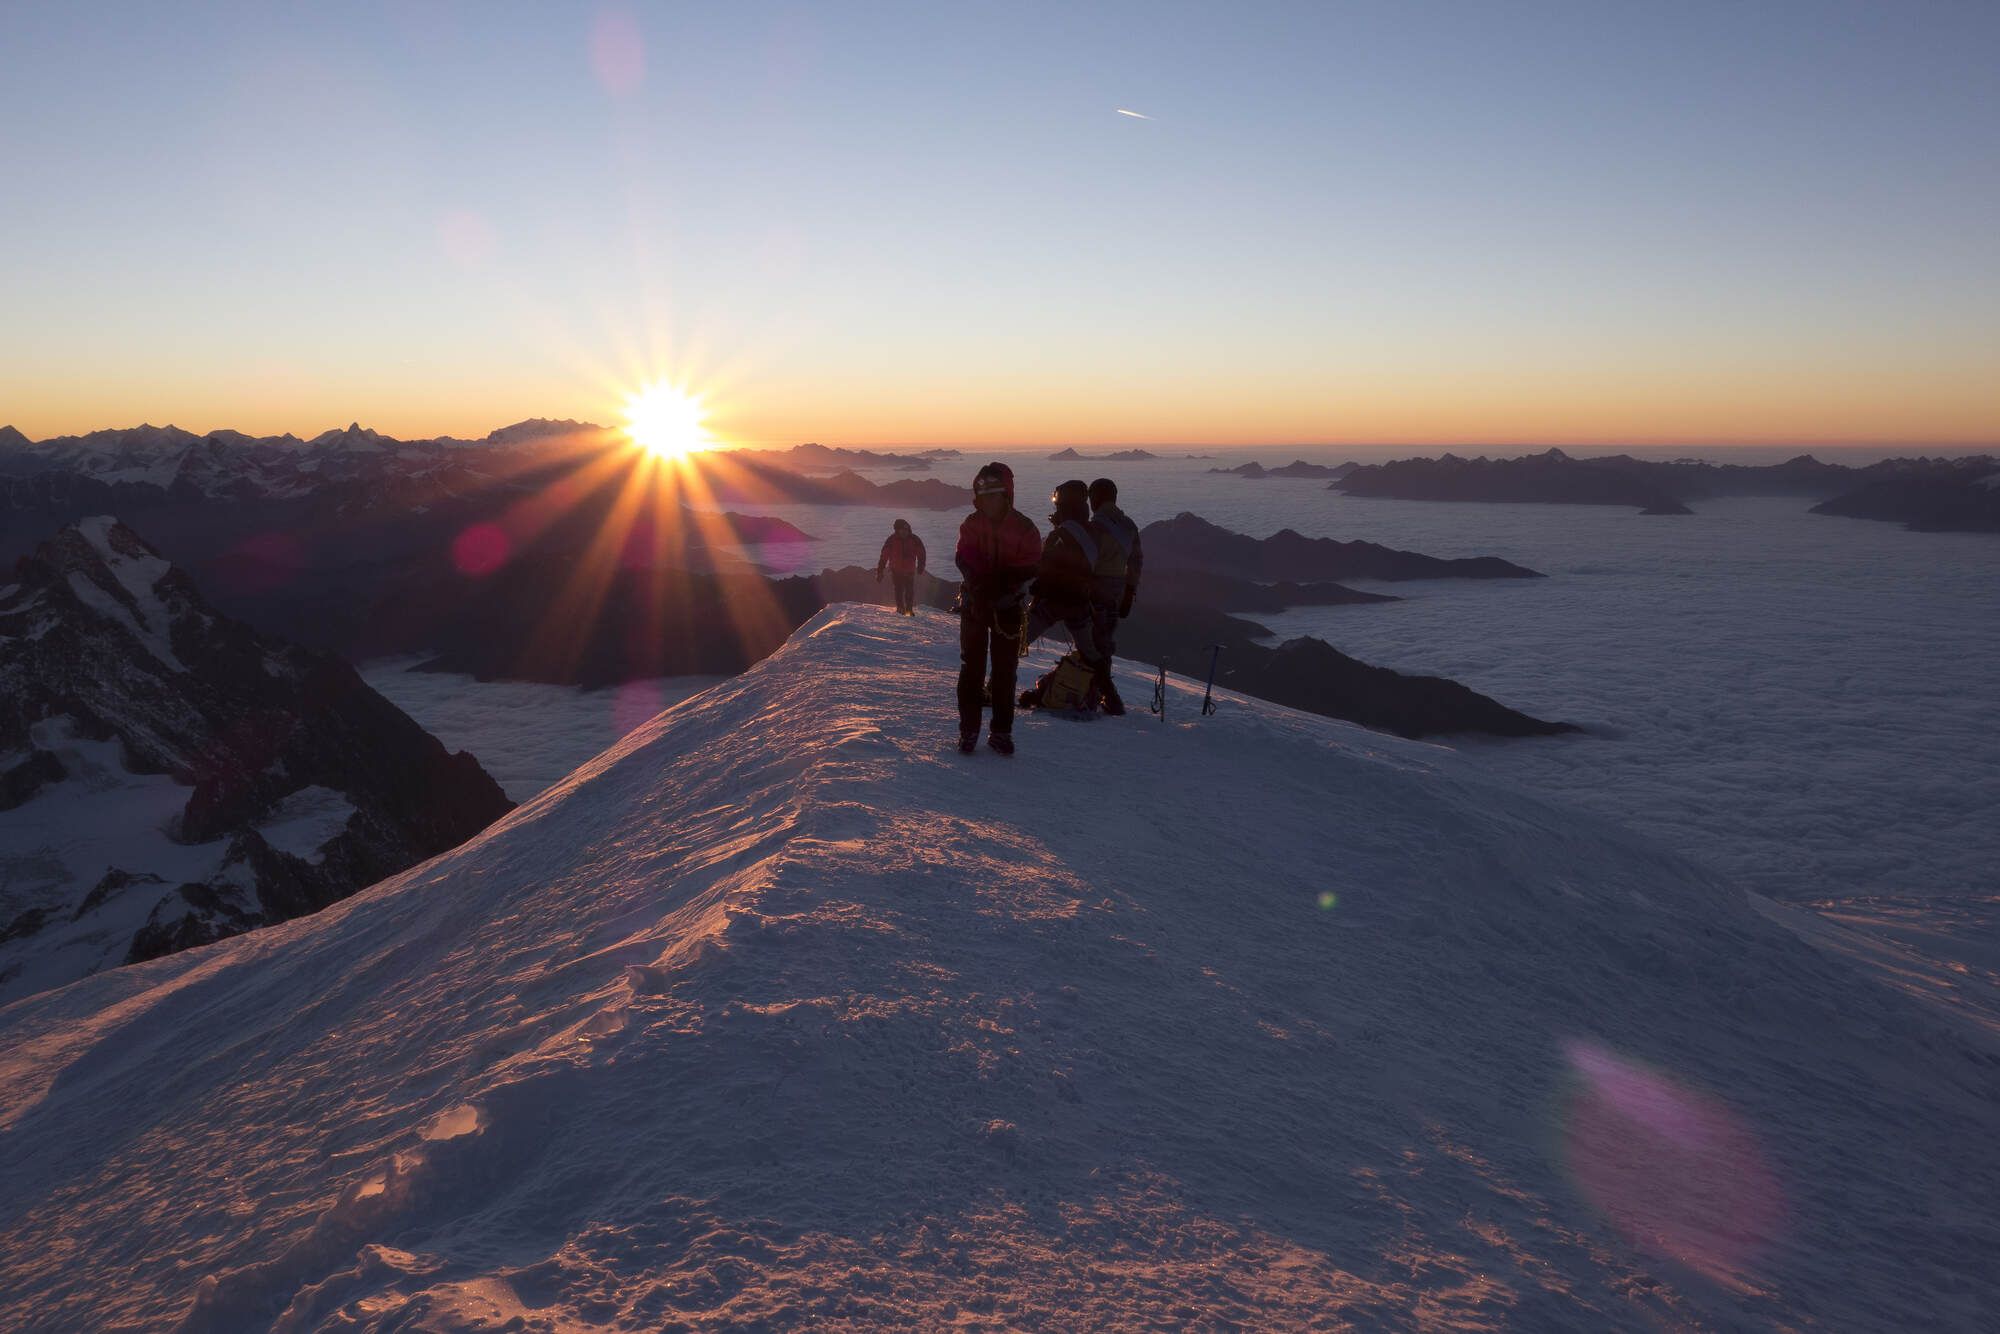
[[780, 1011]]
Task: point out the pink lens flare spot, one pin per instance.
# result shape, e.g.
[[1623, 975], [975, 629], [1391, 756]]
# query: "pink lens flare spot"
[[634, 702], [480, 550], [617, 51], [467, 239], [1674, 1170]]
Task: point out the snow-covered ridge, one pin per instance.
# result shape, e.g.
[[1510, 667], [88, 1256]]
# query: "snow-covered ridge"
[[782, 1012]]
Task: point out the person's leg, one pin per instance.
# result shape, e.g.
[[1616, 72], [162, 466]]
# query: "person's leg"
[[972, 634], [906, 593], [1105, 622], [1082, 629], [1006, 658]]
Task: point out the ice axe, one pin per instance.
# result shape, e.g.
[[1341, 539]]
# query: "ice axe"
[[1208, 695]]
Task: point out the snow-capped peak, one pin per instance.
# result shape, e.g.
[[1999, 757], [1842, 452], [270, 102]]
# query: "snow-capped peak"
[[355, 439], [113, 572]]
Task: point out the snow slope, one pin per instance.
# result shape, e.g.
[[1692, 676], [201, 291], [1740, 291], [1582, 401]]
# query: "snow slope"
[[781, 1012]]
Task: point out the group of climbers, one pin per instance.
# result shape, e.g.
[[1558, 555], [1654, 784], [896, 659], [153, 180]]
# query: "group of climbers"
[[1017, 586]]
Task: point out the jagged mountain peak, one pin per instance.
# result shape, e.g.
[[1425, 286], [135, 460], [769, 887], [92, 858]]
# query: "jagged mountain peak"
[[353, 435], [111, 572]]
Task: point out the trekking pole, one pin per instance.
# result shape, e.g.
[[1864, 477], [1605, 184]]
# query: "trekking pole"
[[1160, 693], [1208, 695]]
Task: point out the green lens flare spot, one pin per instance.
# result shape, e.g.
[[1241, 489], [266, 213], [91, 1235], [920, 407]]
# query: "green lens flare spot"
[[1328, 901]]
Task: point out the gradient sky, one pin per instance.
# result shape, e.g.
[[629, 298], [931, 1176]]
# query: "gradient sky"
[[1478, 223]]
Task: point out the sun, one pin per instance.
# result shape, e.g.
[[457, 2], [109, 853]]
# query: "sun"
[[666, 420]]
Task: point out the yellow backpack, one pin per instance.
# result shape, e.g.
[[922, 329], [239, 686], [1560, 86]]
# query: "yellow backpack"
[[1069, 686]]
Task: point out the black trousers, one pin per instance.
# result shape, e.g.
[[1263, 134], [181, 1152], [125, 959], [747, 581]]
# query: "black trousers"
[[980, 643], [1105, 621], [906, 591]]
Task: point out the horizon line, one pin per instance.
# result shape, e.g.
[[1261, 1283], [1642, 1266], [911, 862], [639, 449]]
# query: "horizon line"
[[1529, 443]]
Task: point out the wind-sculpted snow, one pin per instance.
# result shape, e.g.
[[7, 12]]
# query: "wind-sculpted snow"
[[781, 1013]]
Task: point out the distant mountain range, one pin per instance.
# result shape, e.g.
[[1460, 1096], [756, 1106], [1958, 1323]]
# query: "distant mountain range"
[[358, 471], [1117, 456], [1961, 499], [169, 776], [1297, 468], [1190, 541], [832, 458], [1924, 492]]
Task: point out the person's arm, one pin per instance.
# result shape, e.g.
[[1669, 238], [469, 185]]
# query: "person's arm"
[[882, 560], [1133, 565], [922, 556], [1021, 556], [971, 561]]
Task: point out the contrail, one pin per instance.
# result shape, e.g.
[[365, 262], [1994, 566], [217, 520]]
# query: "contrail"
[[1135, 115]]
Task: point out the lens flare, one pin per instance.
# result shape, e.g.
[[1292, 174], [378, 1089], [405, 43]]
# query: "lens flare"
[[1673, 1169], [667, 420], [480, 549]]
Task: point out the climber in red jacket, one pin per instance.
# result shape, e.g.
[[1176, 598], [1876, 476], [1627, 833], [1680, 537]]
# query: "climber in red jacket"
[[903, 556], [999, 550]]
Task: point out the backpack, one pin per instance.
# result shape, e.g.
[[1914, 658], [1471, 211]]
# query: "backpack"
[[1069, 686]]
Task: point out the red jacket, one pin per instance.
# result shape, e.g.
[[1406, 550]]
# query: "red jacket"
[[997, 556], [903, 553]]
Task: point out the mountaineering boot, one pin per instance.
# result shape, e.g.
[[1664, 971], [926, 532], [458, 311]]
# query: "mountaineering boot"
[[968, 742], [1108, 699], [1001, 741]]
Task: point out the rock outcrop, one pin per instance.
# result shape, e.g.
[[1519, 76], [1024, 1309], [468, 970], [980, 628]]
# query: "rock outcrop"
[[169, 776]]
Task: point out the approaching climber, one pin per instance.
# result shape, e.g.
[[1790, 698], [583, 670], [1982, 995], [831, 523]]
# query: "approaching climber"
[[997, 551], [1116, 582], [1066, 574], [903, 554]]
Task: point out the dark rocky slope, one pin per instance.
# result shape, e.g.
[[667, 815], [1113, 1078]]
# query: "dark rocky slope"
[[288, 783]]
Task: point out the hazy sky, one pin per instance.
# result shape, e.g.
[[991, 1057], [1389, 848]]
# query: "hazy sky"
[[1484, 223]]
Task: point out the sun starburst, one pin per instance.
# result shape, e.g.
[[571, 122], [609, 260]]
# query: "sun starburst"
[[667, 420]]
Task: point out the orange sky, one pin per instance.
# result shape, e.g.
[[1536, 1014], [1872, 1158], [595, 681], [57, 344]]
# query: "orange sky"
[[1937, 407]]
